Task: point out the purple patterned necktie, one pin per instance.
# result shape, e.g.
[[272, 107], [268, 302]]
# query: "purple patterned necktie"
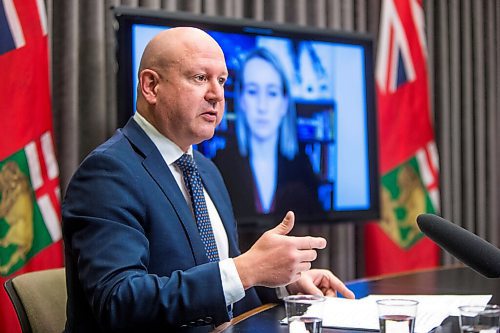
[[194, 185]]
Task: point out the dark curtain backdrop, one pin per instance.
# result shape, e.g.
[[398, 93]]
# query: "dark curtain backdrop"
[[464, 51]]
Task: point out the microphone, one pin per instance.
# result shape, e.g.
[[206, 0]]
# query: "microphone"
[[467, 247]]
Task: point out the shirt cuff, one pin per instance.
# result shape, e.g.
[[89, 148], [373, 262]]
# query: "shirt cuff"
[[231, 282]]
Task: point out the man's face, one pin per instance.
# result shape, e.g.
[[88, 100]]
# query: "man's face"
[[190, 97]]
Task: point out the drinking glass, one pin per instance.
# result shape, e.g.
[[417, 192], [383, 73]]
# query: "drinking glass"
[[397, 315], [304, 313]]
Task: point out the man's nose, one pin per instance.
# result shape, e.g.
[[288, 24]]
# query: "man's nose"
[[215, 92]]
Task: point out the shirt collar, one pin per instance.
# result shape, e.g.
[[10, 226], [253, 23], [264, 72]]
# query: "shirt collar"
[[168, 149]]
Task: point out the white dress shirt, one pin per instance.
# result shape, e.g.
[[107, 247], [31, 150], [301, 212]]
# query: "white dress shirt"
[[231, 283]]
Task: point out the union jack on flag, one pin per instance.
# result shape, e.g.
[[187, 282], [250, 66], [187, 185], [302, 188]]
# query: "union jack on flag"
[[11, 31]]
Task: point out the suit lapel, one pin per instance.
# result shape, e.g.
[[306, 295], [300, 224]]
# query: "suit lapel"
[[159, 171]]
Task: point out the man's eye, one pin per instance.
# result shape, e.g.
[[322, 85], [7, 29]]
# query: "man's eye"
[[200, 78], [222, 81]]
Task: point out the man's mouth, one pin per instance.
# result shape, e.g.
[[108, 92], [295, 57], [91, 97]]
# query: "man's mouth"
[[210, 115]]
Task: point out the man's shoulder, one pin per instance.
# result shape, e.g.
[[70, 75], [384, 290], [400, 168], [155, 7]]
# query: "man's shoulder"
[[114, 146], [127, 140]]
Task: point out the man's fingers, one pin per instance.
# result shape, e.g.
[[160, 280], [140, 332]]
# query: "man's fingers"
[[309, 288], [286, 225], [338, 285], [347, 293], [310, 243], [304, 266], [308, 255], [329, 292]]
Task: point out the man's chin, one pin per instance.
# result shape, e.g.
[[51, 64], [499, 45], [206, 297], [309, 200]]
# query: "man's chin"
[[206, 135]]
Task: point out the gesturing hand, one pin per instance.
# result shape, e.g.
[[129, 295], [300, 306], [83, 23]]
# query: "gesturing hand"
[[319, 282], [277, 259]]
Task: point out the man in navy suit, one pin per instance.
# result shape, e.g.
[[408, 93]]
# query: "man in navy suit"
[[135, 260]]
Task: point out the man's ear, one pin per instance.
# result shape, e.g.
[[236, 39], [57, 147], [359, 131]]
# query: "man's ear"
[[148, 85]]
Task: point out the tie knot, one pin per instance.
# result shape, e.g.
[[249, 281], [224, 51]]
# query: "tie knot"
[[186, 163]]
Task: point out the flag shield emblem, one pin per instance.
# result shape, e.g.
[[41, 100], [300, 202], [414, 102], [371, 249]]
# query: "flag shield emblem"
[[404, 197], [20, 216]]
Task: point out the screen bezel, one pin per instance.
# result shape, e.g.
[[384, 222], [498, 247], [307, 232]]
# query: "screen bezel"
[[126, 17]]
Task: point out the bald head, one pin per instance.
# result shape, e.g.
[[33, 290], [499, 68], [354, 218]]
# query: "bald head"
[[171, 46]]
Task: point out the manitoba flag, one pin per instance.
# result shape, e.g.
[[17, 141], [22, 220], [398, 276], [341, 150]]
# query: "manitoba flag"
[[30, 229], [408, 155]]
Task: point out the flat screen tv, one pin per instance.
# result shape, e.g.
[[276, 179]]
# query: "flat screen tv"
[[321, 160]]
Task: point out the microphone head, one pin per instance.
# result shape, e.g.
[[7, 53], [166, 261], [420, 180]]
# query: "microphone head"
[[467, 247]]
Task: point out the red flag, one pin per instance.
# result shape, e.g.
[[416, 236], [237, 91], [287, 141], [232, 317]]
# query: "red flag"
[[30, 229], [408, 155]]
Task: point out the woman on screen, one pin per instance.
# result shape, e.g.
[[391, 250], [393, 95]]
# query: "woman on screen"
[[267, 159]]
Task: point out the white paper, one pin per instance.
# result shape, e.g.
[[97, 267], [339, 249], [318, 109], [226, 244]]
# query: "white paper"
[[362, 313]]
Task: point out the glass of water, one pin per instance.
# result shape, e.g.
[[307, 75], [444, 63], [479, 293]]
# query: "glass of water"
[[479, 318], [397, 315], [304, 313]]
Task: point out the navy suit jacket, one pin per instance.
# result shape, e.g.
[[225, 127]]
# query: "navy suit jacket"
[[134, 259]]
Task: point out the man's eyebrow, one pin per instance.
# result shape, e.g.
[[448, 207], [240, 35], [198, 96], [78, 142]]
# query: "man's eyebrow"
[[207, 72]]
